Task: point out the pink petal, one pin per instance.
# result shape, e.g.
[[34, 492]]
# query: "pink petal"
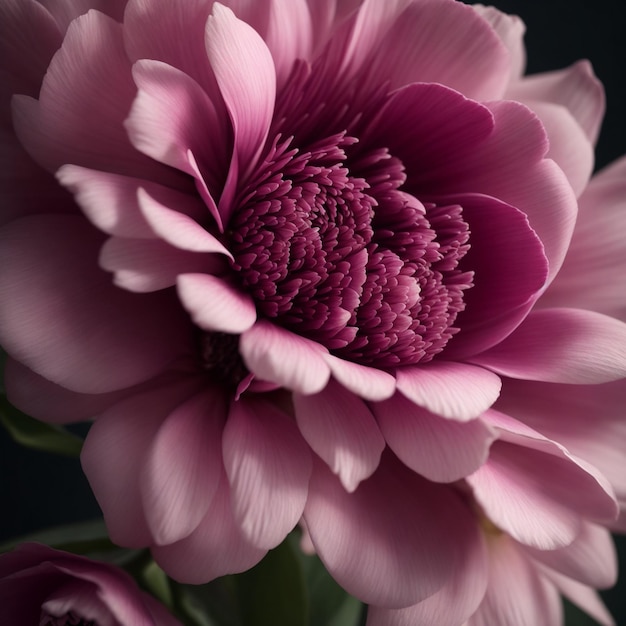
[[108, 200], [171, 116], [576, 88], [38, 397], [367, 382], [562, 346], [510, 268], [387, 543], [570, 148], [590, 559], [528, 494], [173, 33], [245, 73], [460, 596], [268, 467], [590, 273], [215, 548], [342, 431], [182, 468], [517, 595], [144, 265], [510, 29], [114, 454], [581, 595], [454, 390], [62, 318], [216, 305], [175, 225], [30, 37], [441, 450], [279, 356], [440, 42], [66, 11], [85, 96]]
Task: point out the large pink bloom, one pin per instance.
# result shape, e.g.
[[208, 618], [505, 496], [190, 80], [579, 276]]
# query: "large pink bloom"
[[39, 585], [329, 226]]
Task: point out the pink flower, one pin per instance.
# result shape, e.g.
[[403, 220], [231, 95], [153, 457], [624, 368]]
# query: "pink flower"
[[329, 226], [40, 585]]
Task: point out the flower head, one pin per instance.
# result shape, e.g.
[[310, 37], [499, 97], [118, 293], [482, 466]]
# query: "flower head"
[[329, 228]]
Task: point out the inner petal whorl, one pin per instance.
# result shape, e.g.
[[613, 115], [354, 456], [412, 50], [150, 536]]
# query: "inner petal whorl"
[[330, 247]]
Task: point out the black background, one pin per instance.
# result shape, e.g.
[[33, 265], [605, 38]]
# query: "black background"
[[38, 489]]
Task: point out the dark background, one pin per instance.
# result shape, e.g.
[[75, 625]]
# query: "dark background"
[[38, 489]]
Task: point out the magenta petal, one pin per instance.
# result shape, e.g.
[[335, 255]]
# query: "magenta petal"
[[367, 382], [455, 390], [54, 298], [245, 73], [517, 594], [114, 454], [387, 543], [561, 346], [462, 593], [279, 356], [216, 305], [215, 548], [342, 431], [183, 467], [590, 559], [440, 449], [268, 466]]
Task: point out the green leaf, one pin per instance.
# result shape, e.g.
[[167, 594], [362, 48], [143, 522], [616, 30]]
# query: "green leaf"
[[32, 433], [349, 614], [155, 581], [273, 593]]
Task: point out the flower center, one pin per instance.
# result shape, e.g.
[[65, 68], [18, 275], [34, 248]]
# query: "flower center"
[[220, 357], [330, 247]]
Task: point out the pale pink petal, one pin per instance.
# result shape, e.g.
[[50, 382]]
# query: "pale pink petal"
[[435, 41], [268, 466], [145, 265], [66, 11], [108, 200], [576, 88], [570, 148], [588, 420], [114, 454], [454, 390], [172, 32], [510, 29], [517, 594], [367, 382], [215, 548], [562, 346], [342, 431], [178, 226], [582, 596], [182, 467], [284, 358], [171, 116], [387, 543], [538, 498], [85, 96], [460, 596], [38, 397], [245, 72], [216, 305], [591, 272], [442, 450], [62, 317], [590, 559]]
